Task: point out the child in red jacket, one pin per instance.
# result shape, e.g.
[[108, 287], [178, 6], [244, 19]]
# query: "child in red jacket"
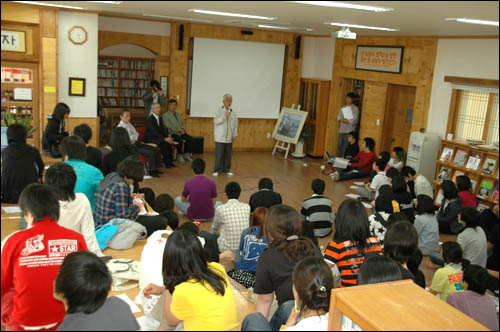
[[31, 261], [361, 165], [464, 187]]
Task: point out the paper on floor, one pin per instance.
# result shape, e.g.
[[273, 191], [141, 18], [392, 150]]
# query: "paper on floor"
[[352, 196], [359, 183], [148, 323], [368, 206], [354, 187], [127, 300]]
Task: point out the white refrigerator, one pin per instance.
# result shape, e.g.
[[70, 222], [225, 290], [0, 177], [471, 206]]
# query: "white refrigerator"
[[423, 151]]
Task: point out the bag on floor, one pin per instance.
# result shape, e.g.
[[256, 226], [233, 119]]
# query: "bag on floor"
[[122, 271], [128, 232], [105, 233]]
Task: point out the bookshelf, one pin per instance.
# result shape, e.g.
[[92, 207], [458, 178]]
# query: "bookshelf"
[[122, 81], [314, 97], [394, 306], [20, 94], [476, 171]]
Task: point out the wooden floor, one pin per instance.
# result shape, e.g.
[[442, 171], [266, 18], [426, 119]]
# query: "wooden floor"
[[292, 179]]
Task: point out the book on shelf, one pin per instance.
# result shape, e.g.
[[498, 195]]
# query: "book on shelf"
[[485, 189], [439, 197], [444, 174], [481, 207], [456, 175], [489, 166], [474, 161], [460, 158], [473, 184], [446, 155], [494, 196]]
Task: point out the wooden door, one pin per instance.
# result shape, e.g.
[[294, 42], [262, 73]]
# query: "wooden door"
[[398, 117], [372, 118]]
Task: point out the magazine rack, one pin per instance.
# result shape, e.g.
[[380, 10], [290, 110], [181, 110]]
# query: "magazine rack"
[[483, 171]]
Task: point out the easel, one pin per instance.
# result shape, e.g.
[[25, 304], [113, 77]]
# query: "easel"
[[284, 145]]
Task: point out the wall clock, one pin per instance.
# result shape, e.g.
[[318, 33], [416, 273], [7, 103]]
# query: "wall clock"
[[77, 35]]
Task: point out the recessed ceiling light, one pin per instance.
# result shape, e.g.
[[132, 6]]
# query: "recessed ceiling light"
[[336, 4], [473, 21], [282, 28], [109, 2], [48, 4], [360, 26], [210, 12], [177, 18]]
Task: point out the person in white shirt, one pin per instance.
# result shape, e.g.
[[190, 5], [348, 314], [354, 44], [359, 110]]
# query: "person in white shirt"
[[347, 125], [225, 132], [230, 220], [75, 212], [417, 183], [151, 151], [370, 190], [312, 286], [398, 158], [473, 238]]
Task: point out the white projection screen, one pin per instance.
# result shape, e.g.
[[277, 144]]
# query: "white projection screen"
[[251, 72]]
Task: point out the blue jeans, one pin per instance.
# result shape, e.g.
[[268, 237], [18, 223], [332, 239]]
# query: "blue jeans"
[[257, 322], [184, 206]]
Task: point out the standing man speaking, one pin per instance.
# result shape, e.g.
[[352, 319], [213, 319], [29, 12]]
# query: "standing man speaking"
[[225, 132]]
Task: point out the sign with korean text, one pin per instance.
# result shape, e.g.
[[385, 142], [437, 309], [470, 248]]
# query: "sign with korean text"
[[13, 41], [379, 58]]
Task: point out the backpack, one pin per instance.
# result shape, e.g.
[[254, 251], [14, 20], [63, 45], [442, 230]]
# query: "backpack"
[[104, 233], [122, 271], [128, 232]]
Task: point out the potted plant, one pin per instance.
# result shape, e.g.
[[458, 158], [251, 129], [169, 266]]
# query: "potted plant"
[[299, 147], [26, 121]]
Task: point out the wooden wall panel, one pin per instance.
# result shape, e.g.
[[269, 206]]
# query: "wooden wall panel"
[[419, 58], [374, 102], [16, 12], [179, 61], [32, 42], [93, 123], [155, 44]]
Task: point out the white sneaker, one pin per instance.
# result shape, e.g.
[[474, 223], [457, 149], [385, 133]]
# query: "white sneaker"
[[187, 156], [229, 174], [180, 159], [335, 176], [215, 174]]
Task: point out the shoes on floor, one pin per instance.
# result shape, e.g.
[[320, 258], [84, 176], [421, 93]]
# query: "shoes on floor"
[[335, 176], [180, 159], [154, 174], [229, 174], [187, 156], [216, 174]]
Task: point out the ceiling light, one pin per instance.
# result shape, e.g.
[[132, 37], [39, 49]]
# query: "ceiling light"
[[109, 2], [48, 4], [336, 4], [210, 12], [473, 21], [359, 26], [282, 28], [177, 18]]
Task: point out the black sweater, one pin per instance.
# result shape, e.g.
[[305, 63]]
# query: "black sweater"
[[112, 159], [54, 132], [352, 150], [19, 169]]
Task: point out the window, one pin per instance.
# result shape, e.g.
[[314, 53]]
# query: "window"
[[474, 113]]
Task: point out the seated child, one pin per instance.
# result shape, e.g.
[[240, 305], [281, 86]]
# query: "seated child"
[[317, 210], [361, 164], [473, 301], [464, 188], [203, 299], [82, 285], [252, 244], [403, 197], [473, 239], [447, 216], [401, 242], [383, 209], [312, 285], [352, 148], [378, 268], [427, 228], [27, 282], [398, 158], [265, 197], [370, 190], [75, 212], [164, 205], [446, 280], [417, 183], [413, 264], [385, 156]]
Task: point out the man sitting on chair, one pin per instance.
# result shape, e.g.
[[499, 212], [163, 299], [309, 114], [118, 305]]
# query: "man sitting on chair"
[[176, 127], [157, 134]]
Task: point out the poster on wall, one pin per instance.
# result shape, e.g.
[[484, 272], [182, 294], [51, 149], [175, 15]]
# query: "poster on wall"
[[77, 87], [13, 41], [379, 58]]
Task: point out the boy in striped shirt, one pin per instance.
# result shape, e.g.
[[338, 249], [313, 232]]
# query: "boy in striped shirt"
[[318, 210]]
